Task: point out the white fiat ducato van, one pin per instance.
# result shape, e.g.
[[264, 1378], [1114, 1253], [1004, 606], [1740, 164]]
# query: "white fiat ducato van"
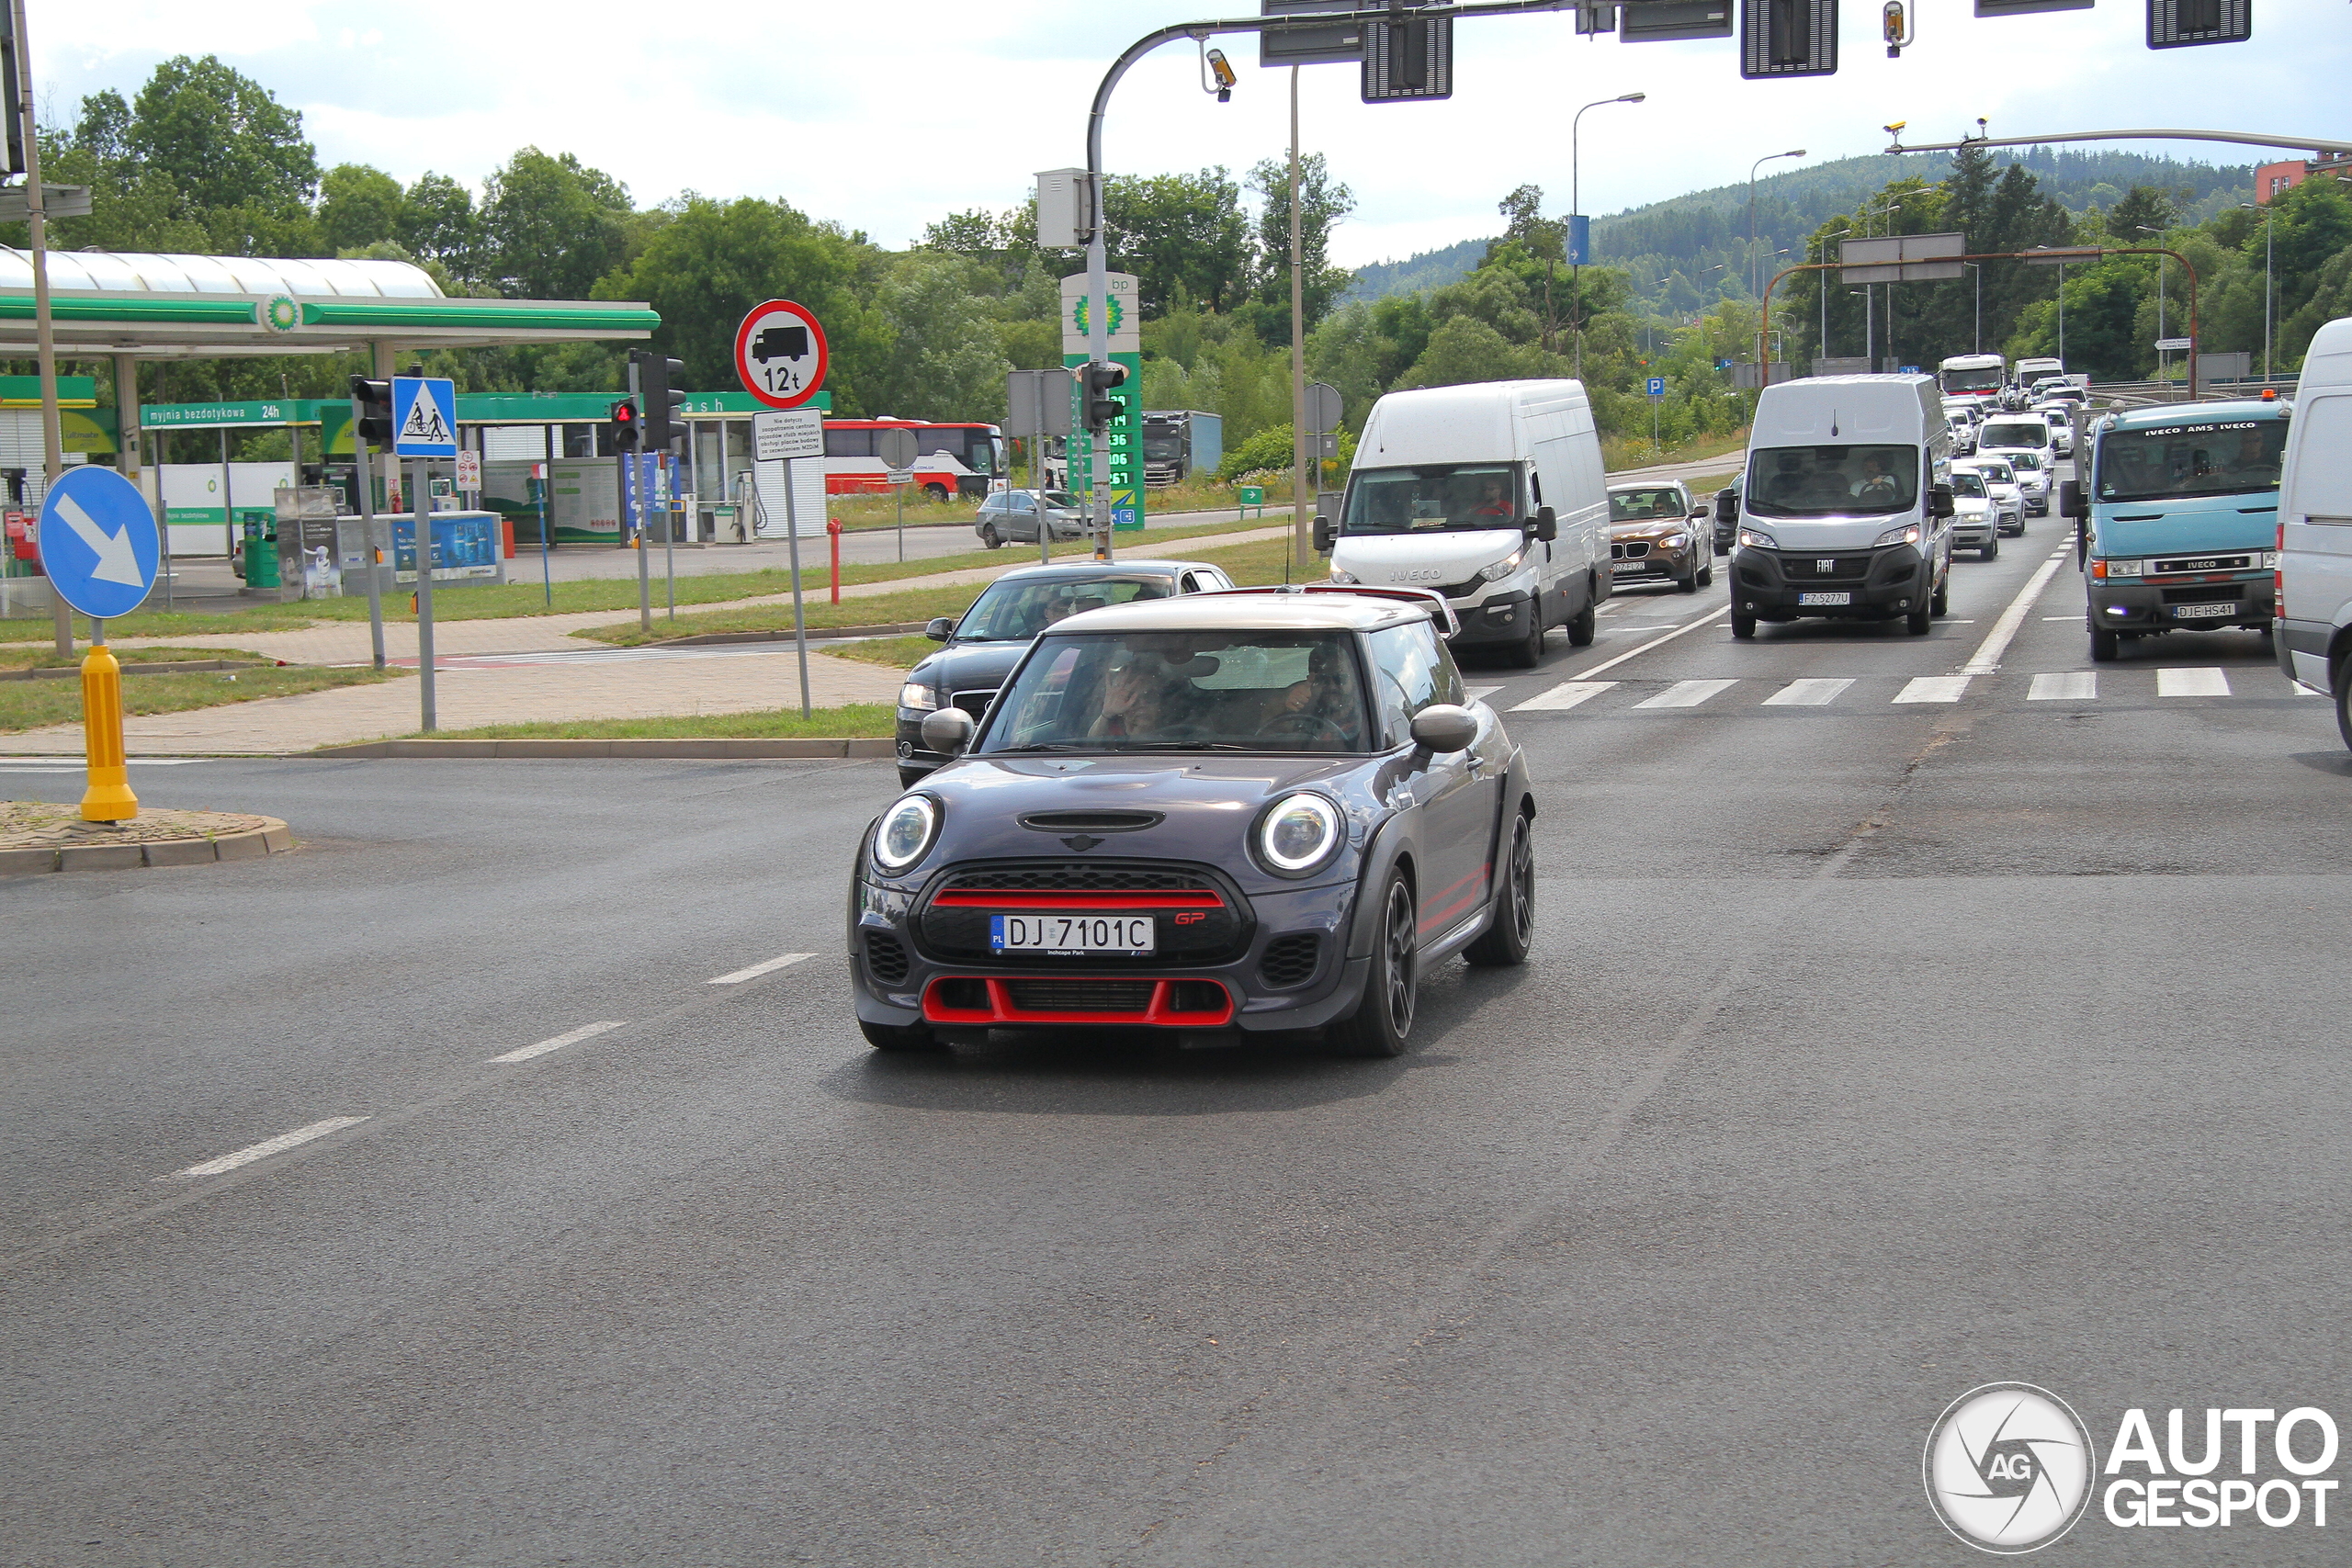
[[1846, 511], [1493, 495]]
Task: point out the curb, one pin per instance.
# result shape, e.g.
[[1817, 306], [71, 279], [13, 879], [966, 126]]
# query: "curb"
[[685, 748], [815, 634], [274, 839], [180, 666]]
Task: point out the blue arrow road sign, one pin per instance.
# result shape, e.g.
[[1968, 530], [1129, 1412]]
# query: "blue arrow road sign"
[[425, 416], [98, 542], [1657, 386]]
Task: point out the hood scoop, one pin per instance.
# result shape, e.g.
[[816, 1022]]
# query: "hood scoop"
[[1101, 820]]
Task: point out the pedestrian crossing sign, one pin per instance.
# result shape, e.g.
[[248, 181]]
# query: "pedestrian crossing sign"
[[425, 416]]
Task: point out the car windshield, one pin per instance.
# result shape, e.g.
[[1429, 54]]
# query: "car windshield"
[[2225, 457], [1434, 496], [1015, 612], [2026, 462], [2016, 432], [1996, 473], [1832, 481], [1645, 505], [1246, 691], [1967, 484]]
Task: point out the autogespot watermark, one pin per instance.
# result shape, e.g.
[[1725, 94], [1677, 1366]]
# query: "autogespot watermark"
[[2011, 1468]]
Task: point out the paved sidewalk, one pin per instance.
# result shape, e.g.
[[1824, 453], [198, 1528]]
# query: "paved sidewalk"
[[347, 642], [468, 697]]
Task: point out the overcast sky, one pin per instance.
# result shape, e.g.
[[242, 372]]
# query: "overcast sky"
[[885, 115]]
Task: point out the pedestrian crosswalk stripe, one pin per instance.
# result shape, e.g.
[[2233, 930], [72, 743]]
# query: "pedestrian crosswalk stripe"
[[1562, 697], [1934, 689], [1478, 693], [1686, 694], [2207, 682], [2065, 686], [1807, 694]]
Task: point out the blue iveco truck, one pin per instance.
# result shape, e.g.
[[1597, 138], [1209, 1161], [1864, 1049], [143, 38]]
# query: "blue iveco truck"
[[2181, 515]]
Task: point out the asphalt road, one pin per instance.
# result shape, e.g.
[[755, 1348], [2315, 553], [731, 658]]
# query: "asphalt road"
[[1874, 1050]]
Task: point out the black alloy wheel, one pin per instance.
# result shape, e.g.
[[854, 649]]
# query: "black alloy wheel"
[[1384, 1017], [989, 536], [1510, 928]]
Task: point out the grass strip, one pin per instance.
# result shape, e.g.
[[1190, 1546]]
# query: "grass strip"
[[854, 720], [898, 652], [33, 705]]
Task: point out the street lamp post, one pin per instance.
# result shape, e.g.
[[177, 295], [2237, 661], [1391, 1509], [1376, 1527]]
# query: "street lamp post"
[[1754, 280], [2265, 209], [2162, 368], [1824, 291], [1888, 211], [1978, 268], [1576, 263]]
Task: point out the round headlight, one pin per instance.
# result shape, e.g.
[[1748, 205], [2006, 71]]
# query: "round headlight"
[[1299, 833], [906, 831]]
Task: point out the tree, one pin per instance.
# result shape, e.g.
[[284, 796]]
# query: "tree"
[[358, 207], [438, 222], [221, 139], [1322, 203], [553, 227], [1183, 236], [944, 360], [2144, 208]]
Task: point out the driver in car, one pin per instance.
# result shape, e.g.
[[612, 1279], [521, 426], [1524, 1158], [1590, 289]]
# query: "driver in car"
[[1494, 499], [1140, 700], [1876, 485], [1321, 705]]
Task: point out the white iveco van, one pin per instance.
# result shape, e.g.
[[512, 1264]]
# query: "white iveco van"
[[1491, 493], [2315, 563], [1846, 511]]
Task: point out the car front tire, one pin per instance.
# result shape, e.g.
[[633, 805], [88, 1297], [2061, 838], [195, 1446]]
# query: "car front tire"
[[990, 537], [2105, 646], [1383, 1016], [1528, 651], [1584, 626]]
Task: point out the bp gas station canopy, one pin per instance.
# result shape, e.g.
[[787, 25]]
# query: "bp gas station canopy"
[[188, 307]]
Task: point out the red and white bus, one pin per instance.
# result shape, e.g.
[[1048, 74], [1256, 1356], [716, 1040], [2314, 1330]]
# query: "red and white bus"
[[951, 460]]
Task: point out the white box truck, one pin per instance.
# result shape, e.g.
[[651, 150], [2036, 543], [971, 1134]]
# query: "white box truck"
[[1492, 494], [2312, 634], [1846, 510]]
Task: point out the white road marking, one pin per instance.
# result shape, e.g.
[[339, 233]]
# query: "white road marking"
[[2192, 684], [2065, 686], [276, 1145], [1934, 689], [2061, 617], [1637, 652], [586, 1031], [1811, 692], [1480, 694], [77, 764], [1686, 694], [1562, 697], [1986, 660], [756, 970]]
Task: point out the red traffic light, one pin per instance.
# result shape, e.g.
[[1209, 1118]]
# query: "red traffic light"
[[627, 431]]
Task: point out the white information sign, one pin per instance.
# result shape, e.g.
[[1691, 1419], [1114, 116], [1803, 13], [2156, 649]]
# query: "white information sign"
[[785, 433], [470, 472]]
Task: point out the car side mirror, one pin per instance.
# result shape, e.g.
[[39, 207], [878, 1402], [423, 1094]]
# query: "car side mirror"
[[941, 628], [2070, 501], [1727, 507], [947, 732], [1545, 526], [1324, 535], [1939, 500], [1442, 728]]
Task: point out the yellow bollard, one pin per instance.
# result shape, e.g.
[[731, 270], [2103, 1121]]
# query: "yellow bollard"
[[109, 796]]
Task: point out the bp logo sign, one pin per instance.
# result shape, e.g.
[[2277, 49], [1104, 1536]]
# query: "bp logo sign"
[[282, 314], [1081, 318], [2008, 1468]]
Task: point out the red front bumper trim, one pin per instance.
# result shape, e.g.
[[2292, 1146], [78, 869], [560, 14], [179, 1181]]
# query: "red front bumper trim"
[[1160, 1012]]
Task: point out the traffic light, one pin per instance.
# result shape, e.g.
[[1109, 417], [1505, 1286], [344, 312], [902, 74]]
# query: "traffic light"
[[371, 410], [627, 431], [1102, 381], [656, 383]]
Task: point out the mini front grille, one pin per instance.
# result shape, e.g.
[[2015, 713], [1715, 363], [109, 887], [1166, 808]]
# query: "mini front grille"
[[1080, 878], [886, 960], [1289, 960], [1080, 995], [2218, 594]]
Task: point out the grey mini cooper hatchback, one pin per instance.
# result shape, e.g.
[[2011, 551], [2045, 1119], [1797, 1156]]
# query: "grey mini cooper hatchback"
[[1227, 814]]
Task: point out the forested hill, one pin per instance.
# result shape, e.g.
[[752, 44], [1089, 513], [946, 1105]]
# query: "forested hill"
[[1690, 235]]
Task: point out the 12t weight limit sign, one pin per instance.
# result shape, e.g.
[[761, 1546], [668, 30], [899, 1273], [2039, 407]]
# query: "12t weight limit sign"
[[780, 353]]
